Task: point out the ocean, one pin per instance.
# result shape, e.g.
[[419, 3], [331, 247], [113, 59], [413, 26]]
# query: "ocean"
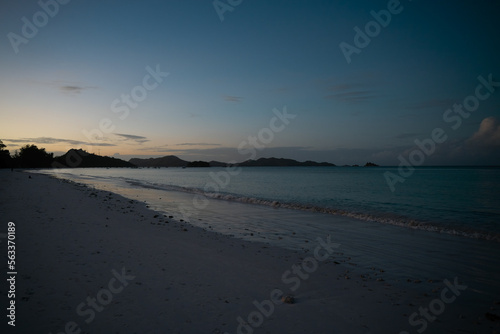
[[440, 223], [463, 201]]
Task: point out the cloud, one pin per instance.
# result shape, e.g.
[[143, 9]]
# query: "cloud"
[[99, 144], [481, 148], [488, 134], [197, 144], [157, 149], [70, 88], [137, 139], [65, 87], [45, 140], [232, 98], [50, 140], [350, 93]]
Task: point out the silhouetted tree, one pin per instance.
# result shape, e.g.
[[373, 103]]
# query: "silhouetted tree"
[[30, 156], [5, 159]]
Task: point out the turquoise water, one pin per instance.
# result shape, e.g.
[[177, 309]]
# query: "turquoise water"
[[462, 201]]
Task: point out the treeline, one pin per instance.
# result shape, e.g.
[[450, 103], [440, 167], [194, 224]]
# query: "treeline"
[[29, 156]]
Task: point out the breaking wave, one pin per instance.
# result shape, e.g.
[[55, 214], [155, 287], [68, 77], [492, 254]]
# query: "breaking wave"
[[382, 218]]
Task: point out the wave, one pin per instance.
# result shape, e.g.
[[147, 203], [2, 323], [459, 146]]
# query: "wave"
[[382, 218]]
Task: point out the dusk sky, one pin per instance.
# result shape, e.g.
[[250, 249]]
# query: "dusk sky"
[[230, 67]]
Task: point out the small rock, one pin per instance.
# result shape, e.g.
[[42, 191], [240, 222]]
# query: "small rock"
[[492, 317], [288, 299]]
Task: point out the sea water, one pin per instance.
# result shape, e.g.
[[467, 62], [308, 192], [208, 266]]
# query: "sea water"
[[438, 224], [464, 201]]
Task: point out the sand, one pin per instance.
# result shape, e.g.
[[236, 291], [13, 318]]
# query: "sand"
[[90, 261]]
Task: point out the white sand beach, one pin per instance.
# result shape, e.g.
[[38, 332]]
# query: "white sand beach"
[[90, 261]]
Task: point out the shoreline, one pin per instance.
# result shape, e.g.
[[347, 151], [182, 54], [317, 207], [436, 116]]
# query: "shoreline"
[[384, 217], [73, 240]]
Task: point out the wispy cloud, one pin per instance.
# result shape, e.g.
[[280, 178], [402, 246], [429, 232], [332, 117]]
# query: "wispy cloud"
[[50, 140], [350, 93], [65, 87], [156, 149], [137, 139], [45, 140], [197, 144], [72, 89], [233, 98]]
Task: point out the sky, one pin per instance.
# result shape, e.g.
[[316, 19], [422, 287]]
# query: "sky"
[[339, 81]]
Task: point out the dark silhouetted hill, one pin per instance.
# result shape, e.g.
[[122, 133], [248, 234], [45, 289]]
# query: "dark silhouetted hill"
[[214, 163], [173, 161], [82, 159], [198, 164], [166, 161], [280, 162]]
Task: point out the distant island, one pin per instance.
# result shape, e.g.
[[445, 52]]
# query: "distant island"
[[166, 161], [82, 159], [173, 161], [31, 156], [280, 162]]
